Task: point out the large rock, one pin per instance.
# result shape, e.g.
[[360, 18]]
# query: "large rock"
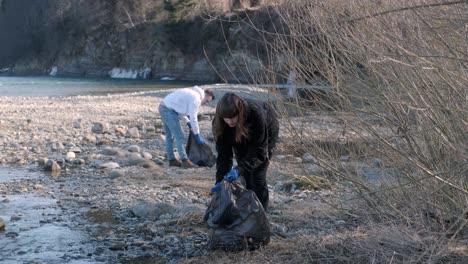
[[133, 148], [110, 151], [152, 211]]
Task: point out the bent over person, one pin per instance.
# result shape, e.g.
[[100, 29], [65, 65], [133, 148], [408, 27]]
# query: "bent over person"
[[247, 129], [178, 105]]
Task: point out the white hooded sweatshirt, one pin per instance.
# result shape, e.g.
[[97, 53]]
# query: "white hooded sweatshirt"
[[185, 102]]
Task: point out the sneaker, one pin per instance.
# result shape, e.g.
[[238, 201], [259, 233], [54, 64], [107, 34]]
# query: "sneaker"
[[175, 163], [186, 163]]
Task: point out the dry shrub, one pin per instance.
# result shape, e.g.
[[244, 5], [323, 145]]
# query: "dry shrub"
[[192, 220], [311, 182], [392, 244], [227, 5], [398, 106], [130, 14]]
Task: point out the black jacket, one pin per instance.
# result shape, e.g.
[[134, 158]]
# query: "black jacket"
[[263, 127]]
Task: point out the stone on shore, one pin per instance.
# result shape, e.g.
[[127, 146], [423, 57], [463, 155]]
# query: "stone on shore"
[[52, 165], [100, 128], [2, 225], [133, 132], [109, 165], [70, 156]]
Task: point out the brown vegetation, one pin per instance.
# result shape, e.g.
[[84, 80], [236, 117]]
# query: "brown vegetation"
[[398, 72], [398, 106]]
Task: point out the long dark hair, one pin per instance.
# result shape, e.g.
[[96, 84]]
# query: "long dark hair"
[[229, 106]]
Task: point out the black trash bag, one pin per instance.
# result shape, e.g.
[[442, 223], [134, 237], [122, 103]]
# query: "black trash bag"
[[236, 219], [202, 155]]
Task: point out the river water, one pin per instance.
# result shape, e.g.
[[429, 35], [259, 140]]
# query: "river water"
[[57, 86], [37, 230]]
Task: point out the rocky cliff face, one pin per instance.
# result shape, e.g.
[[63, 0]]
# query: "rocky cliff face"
[[159, 38]]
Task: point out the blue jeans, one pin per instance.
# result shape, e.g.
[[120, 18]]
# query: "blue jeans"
[[173, 130]]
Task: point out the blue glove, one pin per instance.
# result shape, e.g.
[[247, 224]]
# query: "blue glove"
[[232, 175], [199, 139], [189, 125], [216, 188]]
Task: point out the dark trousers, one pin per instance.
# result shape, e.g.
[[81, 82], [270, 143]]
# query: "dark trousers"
[[258, 184]]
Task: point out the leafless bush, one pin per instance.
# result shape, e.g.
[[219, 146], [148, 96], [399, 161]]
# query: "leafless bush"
[[399, 79], [227, 5]]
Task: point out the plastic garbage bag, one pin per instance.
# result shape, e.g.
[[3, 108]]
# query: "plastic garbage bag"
[[202, 155], [236, 219]]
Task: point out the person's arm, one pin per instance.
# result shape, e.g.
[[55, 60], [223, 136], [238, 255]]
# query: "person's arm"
[[224, 160], [193, 113], [257, 146], [186, 119]]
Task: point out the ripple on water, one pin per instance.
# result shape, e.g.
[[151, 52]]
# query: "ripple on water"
[[37, 228]]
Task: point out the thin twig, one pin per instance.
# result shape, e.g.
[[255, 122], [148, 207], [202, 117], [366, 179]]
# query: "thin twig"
[[404, 9]]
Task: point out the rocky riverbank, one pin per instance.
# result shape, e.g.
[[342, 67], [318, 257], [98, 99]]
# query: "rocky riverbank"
[[101, 161]]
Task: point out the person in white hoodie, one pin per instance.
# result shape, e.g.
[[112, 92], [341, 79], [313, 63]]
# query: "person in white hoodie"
[[178, 105]]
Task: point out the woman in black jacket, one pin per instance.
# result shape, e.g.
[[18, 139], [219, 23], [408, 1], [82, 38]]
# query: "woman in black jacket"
[[247, 129]]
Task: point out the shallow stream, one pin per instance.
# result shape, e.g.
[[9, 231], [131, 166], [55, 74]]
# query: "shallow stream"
[[37, 228]]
